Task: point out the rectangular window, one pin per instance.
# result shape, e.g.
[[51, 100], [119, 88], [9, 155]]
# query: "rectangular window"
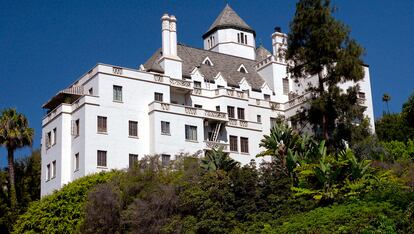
[[361, 95], [191, 133], [76, 163], [54, 136], [217, 108], [233, 143], [133, 158], [48, 172], [48, 139], [197, 84], [230, 111], [53, 169], [245, 39], [285, 86], [101, 159], [165, 128], [165, 159], [242, 37], [240, 113], [244, 144], [75, 128], [158, 97], [273, 122], [259, 118], [266, 97], [117, 93], [102, 124], [198, 106], [133, 128]]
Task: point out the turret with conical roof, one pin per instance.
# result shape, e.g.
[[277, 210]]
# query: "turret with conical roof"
[[230, 34]]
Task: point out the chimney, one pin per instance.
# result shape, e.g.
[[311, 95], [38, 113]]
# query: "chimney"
[[278, 29], [170, 62], [173, 36], [165, 35]]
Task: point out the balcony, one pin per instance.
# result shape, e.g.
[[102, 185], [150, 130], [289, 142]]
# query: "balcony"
[[181, 84], [187, 110], [209, 145], [231, 93], [244, 124]]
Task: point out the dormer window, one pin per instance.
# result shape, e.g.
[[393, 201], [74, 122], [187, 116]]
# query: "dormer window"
[[208, 62], [242, 69]]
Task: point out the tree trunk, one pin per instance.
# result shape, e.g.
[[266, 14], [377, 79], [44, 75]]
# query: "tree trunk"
[[12, 187], [324, 118]]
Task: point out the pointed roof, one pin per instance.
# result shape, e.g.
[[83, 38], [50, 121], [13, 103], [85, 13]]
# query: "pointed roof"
[[262, 53], [228, 18]]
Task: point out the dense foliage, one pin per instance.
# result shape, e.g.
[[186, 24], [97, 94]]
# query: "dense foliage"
[[62, 211]]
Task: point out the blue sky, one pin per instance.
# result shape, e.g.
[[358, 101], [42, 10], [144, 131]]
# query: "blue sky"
[[46, 45]]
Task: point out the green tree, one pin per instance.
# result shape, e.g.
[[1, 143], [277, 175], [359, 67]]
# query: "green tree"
[[319, 45], [393, 127], [408, 111], [14, 133], [386, 98], [216, 159]]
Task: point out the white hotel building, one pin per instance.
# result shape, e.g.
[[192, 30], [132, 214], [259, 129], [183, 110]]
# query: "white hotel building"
[[183, 99]]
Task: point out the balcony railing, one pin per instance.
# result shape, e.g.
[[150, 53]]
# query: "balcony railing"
[[77, 90], [188, 110], [215, 145], [230, 93], [244, 124], [180, 83]]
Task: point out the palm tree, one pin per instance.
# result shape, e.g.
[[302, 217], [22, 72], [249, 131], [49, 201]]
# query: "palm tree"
[[216, 160], [386, 98], [14, 133]]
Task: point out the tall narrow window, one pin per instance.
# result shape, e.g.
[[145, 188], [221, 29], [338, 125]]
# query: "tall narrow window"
[[48, 172], [217, 108], [245, 39], [244, 144], [101, 158], [273, 122], [238, 37], [133, 158], [53, 169], [242, 37], [259, 118], [285, 86], [165, 159], [76, 162], [75, 128], [191, 133], [240, 113], [117, 93], [54, 136], [133, 128], [48, 139], [158, 97], [102, 124], [165, 128], [230, 111], [233, 143]]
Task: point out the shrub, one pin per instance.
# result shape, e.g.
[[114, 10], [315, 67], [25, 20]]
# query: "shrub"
[[62, 211]]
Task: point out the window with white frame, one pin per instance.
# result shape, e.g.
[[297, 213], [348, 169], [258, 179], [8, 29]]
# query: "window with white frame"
[[244, 144], [133, 128], [259, 118], [102, 127], [240, 113], [165, 159], [191, 133], [117, 93], [48, 172], [75, 128], [165, 128], [230, 111], [158, 97], [133, 159], [54, 169], [48, 140], [54, 136], [197, 84], [101, 158], [76, 162], [285, 86]]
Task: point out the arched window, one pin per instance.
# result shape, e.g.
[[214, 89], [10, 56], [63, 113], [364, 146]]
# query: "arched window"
[[242, 70], [207, 62]]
